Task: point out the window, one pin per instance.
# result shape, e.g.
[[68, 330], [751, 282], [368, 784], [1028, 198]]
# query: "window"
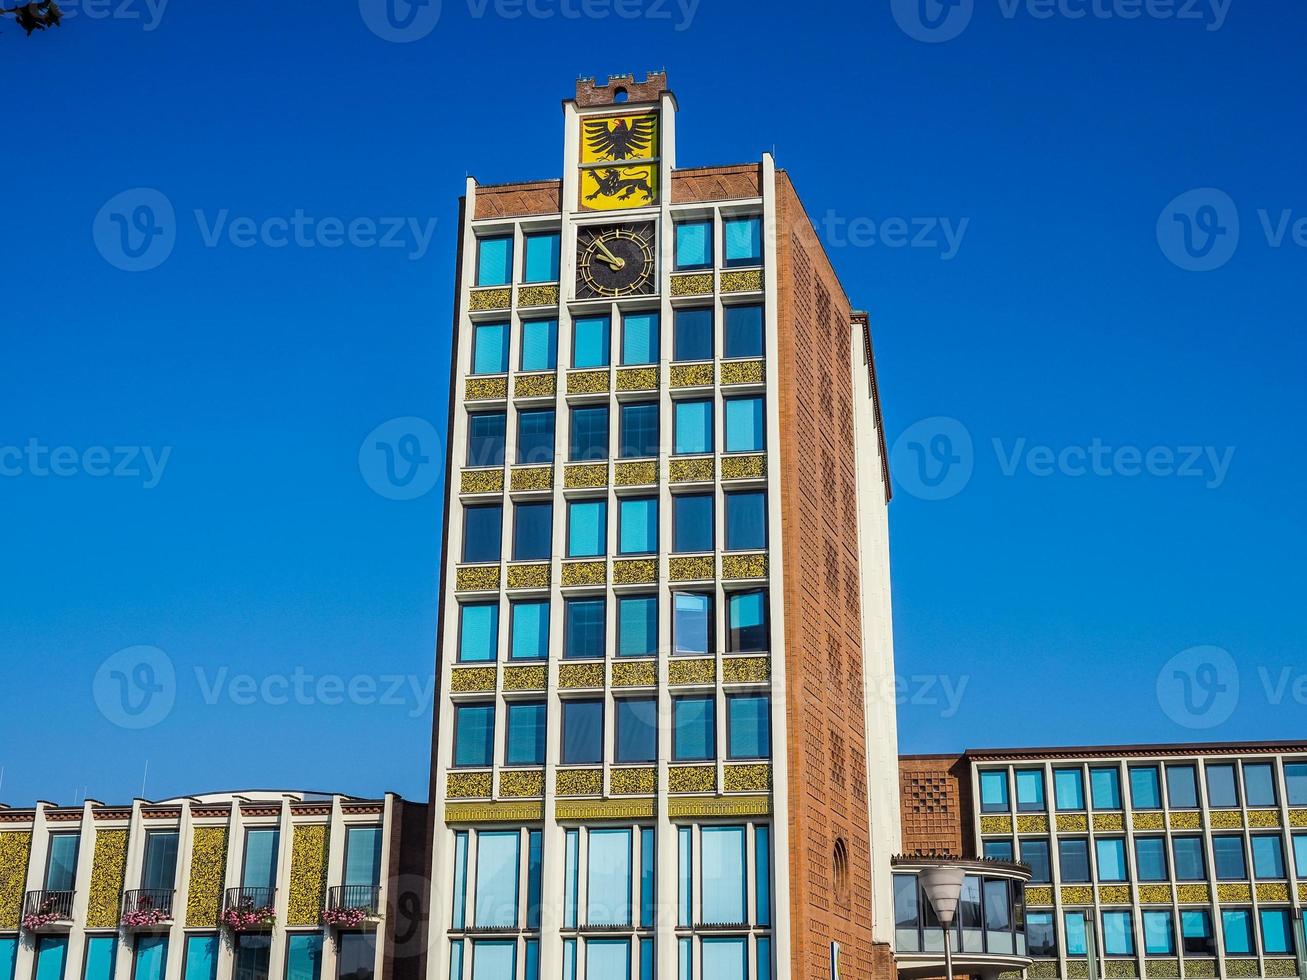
[[745, 431], [639, 435], [692, 334], [1228, 853], [100, 954], [51, 955], [694, 737], [356, 955], [1069, 789], [260, 866], [748, 726], [589, 438], [1034, 852], [1300, 854], [608, 891], [1277, 932], [743, 334], [485, 439], [746, 622], [640, 343], [1073, 857], [490, 348], [637, 729], [998, 850], [694, 245], [583, 629], [743, 241], [160, 867], [1076, 942], [998, 915], [1222, 787], [993, 791], [363, 856], [1118, 934], [637, 626], [526, 734], [587, 528], [533, 531], [483, 528], [1041, 934], [746, 525], [1105, 788], [495, 261], [1196, 933], [1145, 788], [606, 958], [693, 427], [539, 345], [201, 958], [590, 342], [1187, 855], [497, 868], [1030, 789], [692, 623], [583, 732], [494, 960], [478, 632], [61, 864], [1295, 782], [692, 523], [722, 863], [907, 914], [1268, 856], [1150, 858], [1182, 786], [1237, 925], [637, 525], [535, 436], [253, 956], [1259, 783], [530, 640], [1159, 934], [9, 956], [474, 731], [542, 257], [1111, 859], [149, 957]]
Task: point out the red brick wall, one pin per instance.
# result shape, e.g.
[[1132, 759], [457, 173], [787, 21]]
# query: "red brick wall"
[[935, 794]]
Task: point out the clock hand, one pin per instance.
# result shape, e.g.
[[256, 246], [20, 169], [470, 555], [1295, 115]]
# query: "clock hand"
[[614, 262]]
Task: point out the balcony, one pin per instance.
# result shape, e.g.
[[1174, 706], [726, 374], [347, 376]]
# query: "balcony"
[[350, 906], [147, 908], [45, 911], [249, 909]]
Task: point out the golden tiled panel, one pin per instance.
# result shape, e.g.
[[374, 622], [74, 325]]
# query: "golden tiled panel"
[[1186, 820], [1298, 818], [529, 576], [1148, 820], [1302, 892], [637, 379], [1072, 823], [1155, 894], [743, 373], [533, 478], [482, 300], [744, 467], [1241, 968], [587, 382], [499, 812], [691, 569], [586, 476], [1281, 968], [535, 385], [546, 295], [1192, 894], [635, 571], [1162, 969], [468, 786], [633, 782], [1200, 968], [746, 670], [638, 474], [485, 389], [736, 567], [592, 811], [1032, 823], [208, 871], [1109, 822], [1229, 893], [532, 678], [692, 779], [1043, 970], [481, 481], [308, 874], [522, 784], [636, 673], [471, 680], [108, 869], [15, 848], [1263, 819], [1077, 970], [1272, 891], [1121, 969], [1041, 895], [698, 469], [752, 778], [699, 375], [585, 573], [579, 782], [695, 284], [718, 806], [995, 825], [1077, 895], [572, 677], [749, 281], [477, 578], [1225, 820], [681, 672], [1114, 894]]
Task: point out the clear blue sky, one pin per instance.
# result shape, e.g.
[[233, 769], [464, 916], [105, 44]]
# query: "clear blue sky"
[[1058, 320]]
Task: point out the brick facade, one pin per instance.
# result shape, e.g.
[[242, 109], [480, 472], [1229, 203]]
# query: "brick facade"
[[935, 794]]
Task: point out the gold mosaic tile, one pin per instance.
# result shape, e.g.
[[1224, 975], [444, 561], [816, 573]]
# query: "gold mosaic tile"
[[1272, 891], [635, 673], [749, 281], [484, 300], [1225, 820], [485, 389], [1109, 822], [1148, 820], [743, 372], [692, 779], [471, 680], [699, 375], [635, 571], [1077, 895], [1072, 823], [532, 678], [585, 476], [746, 670], [481, 481], [693, 569], [1298, 819], [1077, 970], [1281, 968], [1039, 895], [573, 677], [695, 284], [995, 825], [477, 578], [1162, 969], [468, 786], [522, 784], [682, 672], [1032, 823], [736, 567], [1203, 969], [1155, 894], [1231, 893], [744, 467], [1043, 970], [532, 478], [697, 469], [535, 385], [585, 573], [539, 295], [752, 778], [602, 811], [1192, 894], [1114, 894], [639, 474], [1121, 969], [637, 379], [1263, 819], [536, 576], [587, 382], [624, 781], [1241, 968], [579, 782], [1186, 820]]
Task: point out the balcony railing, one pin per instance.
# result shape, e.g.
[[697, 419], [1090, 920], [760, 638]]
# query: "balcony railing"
[[146, 907], [249, 908], [351, 905], [45, 908]]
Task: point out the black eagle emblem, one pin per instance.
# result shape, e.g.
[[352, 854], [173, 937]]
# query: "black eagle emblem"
[[621, 142]]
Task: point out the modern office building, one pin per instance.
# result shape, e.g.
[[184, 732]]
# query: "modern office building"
[[666, 581]]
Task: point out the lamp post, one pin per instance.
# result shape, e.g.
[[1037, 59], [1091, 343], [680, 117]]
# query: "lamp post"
[[943, 888]]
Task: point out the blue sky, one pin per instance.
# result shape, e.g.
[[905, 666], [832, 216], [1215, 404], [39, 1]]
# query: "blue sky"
[[1056, 591]]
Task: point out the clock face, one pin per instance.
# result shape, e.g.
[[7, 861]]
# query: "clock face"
[[615, 260]]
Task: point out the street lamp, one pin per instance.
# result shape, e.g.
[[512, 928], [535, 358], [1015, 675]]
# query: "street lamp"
[[943, 888]]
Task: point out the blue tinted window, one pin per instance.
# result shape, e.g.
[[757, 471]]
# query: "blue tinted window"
[[535, 436], [746, 521], [61, 866], [1300, 854], [694, 725], [1043, 937], [743, 333], [1259, 783], [1277, 932], [1145, 788], [303, 957], [1159, 934], [589, 437], [1076, 944], [694, 245], [542, 255], [692, 523], [587, 528], [1228, 853], [637, 626], [762, 881], [693, 427], [8, 956], [494, 960], [1105, 788], [1150, 858], [745, 428], [1069, 789], [692, 335], [648, 875], [1222, 787], [1034, 852], [640, 343], [1238, 927], [724, 882], [583, 732], [746, 621], [478, 632], [639, 436], [608, 891], [590, 342], [584, 628], [637, 729], [1196, 931], [150, 957], [533, 531], [534, 858], [1073, 857], [363, 856], [1187, 854], [490, 348], [474, 732], [1268, 856], [1111, 859], [494, 261], [498, 864], [1030, 789], [743, 241], [482, 533], [526, 734], [260, 858], [1182, 786], [51, 955], [530, 631], [998, 850], [202, 958], [485, 439], [608, 958], [1295, 782], [637, 525], [692, 623], [993, 790], [748, 727], [100, 953], [539, 345], [1118, 934]]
